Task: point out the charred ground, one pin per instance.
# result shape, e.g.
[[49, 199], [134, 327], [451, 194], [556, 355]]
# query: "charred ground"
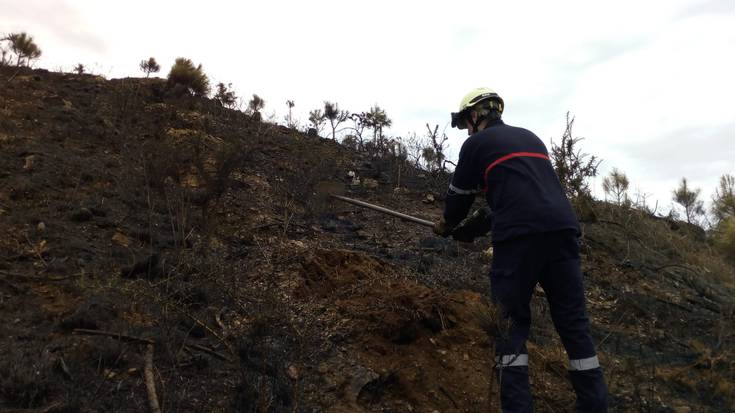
[[126, 210]]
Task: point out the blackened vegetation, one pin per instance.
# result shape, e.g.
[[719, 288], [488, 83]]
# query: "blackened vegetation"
[[146, 216], [265, 354], [572, 166]]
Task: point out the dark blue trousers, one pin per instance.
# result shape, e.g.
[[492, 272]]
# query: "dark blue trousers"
[[551, 260]]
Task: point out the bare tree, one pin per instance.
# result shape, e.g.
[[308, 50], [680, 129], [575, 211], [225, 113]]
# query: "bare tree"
[[359, 124], [572, 166], [289, 118], [4, 58], [414, 149], [434, 154], [24, 48], [616, 185], [334, 116], [317, 120], [149, 66], [689, 199]]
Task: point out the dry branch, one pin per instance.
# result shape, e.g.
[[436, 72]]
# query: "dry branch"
[[127, 338], [121, 337], [150, 383], [208, 351]]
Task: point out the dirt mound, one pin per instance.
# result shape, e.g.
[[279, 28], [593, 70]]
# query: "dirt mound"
[[415, 348]]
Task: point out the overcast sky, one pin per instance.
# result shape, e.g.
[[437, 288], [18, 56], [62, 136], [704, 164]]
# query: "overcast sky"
[[651, 83]]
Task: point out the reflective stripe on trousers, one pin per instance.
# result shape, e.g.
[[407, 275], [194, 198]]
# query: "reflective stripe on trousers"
[[512, 360], [584, 364]]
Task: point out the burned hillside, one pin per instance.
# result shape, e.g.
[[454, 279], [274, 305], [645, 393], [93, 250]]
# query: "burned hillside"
[[135, 219]]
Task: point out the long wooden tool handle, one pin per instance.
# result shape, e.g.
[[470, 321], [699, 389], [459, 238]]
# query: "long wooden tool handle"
[[384, 210]]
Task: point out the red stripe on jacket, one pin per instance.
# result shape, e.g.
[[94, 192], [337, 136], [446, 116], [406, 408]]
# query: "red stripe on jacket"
[[511, 156]]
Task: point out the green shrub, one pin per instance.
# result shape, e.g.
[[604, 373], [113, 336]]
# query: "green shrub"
[[725, 237], [184, 74]]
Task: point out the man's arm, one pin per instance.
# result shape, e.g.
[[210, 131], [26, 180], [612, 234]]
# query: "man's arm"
[[462, 190]]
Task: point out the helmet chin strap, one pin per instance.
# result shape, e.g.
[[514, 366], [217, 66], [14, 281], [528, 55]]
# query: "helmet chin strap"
[[476, 123]]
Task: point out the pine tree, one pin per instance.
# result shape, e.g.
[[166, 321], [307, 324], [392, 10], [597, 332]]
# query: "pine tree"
[[572, 166], [616, 184], [689, 199], [149, 66], [317, 120], [334, 116], [225, 95], [723, 200], [376, 119], [24, 47], [191, 77], [256, 104], [289, 118]]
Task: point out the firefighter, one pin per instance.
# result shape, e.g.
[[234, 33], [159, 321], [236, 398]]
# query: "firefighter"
[[535, 241]]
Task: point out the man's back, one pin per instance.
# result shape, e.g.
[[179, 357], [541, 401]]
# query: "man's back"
[[512, 166]]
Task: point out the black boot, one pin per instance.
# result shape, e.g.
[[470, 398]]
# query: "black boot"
[[515, 390], [591, 390]]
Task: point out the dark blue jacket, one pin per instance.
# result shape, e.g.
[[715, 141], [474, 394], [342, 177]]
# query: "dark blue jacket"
[[511, 166]]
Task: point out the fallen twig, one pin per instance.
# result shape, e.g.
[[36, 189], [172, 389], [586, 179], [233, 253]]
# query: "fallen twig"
[[449, 396], [206, 327], [599, 346], [150, 383], [36, 251], [15, 289], [14, 75], [35, 277], [208, 351], [51, 407], [121, 337]]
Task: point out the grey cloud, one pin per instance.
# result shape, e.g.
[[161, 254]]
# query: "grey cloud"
[[699, 154], [602, 51], [58, 17], [709, 7]]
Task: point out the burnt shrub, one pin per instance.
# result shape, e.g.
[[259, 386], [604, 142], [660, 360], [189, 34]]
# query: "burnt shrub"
[[24, 379]]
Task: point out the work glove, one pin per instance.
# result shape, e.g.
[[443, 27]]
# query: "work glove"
[[476, 225], [441, 228]]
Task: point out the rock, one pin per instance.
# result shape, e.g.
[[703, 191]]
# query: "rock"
[[30, 161], [433, 243], [82, 215], [323, 368], [353, 178], [370, 183], [292, 372], [429, 199], [147, 268], [121, 239], [360, 377], [93, 314], [41, 227]]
